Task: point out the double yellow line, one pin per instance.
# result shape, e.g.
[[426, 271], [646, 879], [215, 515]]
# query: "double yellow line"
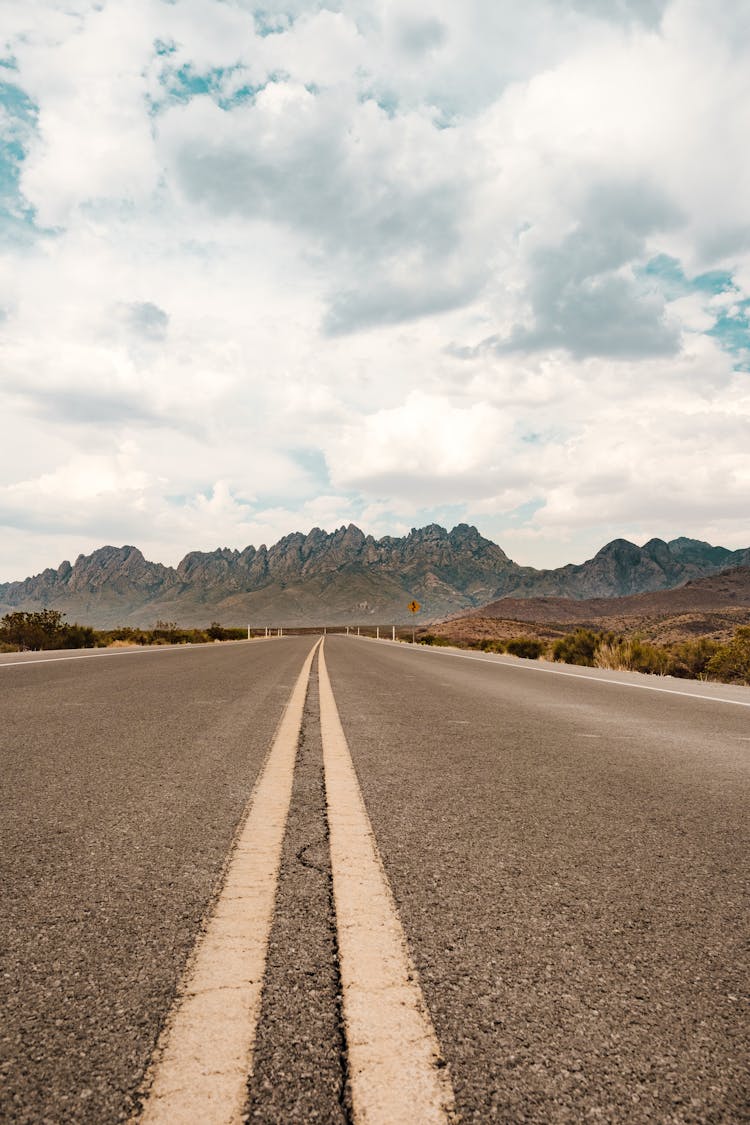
[[204, 1057]]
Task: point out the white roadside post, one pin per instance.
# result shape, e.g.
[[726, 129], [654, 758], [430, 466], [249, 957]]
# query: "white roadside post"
[[377, 632], [393, 632]]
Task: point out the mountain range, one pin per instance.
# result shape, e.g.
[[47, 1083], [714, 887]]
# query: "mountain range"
[[347, 576]]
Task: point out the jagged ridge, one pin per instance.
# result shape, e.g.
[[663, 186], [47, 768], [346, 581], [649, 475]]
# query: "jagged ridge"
[[346, 575]]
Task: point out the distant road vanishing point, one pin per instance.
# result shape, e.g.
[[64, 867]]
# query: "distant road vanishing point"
[[342, 880]]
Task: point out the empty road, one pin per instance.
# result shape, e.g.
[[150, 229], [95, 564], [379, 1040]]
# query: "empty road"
[[374, 883]]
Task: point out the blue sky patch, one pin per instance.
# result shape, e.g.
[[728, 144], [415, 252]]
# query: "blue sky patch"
[[182, 84], [185, 83], [731, 329], [667, 273], [19, 115]]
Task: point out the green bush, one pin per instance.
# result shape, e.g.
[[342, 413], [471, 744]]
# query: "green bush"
[[731, 663], [528, 647], [690, 659], [577, 648]]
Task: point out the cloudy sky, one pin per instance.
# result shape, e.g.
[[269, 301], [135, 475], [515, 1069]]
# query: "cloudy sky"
[[373, 261]]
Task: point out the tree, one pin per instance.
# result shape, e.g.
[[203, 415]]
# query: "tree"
[[44, 629]]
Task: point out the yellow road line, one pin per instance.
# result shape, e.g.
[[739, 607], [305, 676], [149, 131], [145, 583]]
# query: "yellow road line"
[[396, 1072], [204, 1057]]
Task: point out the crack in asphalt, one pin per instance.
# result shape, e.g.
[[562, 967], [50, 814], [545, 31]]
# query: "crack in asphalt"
[[300, 1071], [301, 856]]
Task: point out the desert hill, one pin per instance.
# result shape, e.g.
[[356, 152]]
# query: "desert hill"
[[712, 606], [717, 591]]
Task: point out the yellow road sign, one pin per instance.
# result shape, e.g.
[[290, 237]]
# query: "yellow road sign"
[[414, 607]]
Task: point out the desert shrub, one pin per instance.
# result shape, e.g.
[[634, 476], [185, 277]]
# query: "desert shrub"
[[492, 644], [433, 639], [577, 648], [44, 629], [126, 634], [529, 647], [170, 633], [39, 630], [165, 632], [217, 632], [731, 662], [631, 654], [690, 659], [80, 636]]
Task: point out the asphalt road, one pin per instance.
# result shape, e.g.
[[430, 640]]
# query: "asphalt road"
[[124, 777], [568, 857]]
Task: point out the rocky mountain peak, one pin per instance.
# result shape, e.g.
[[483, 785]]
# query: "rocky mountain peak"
[[322, 576], [618, 549]]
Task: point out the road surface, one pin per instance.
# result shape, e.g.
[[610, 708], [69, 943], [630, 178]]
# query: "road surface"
[[564, 857]]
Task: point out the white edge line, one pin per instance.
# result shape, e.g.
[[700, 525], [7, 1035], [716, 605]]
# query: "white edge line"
[[559, 672], [203, 1060], [135, 651], [396, 1072]]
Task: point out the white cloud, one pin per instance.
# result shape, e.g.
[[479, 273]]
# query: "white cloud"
[[381, 265]]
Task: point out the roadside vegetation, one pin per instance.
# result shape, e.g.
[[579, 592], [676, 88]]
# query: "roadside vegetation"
[[48, 629], [702, 658]]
